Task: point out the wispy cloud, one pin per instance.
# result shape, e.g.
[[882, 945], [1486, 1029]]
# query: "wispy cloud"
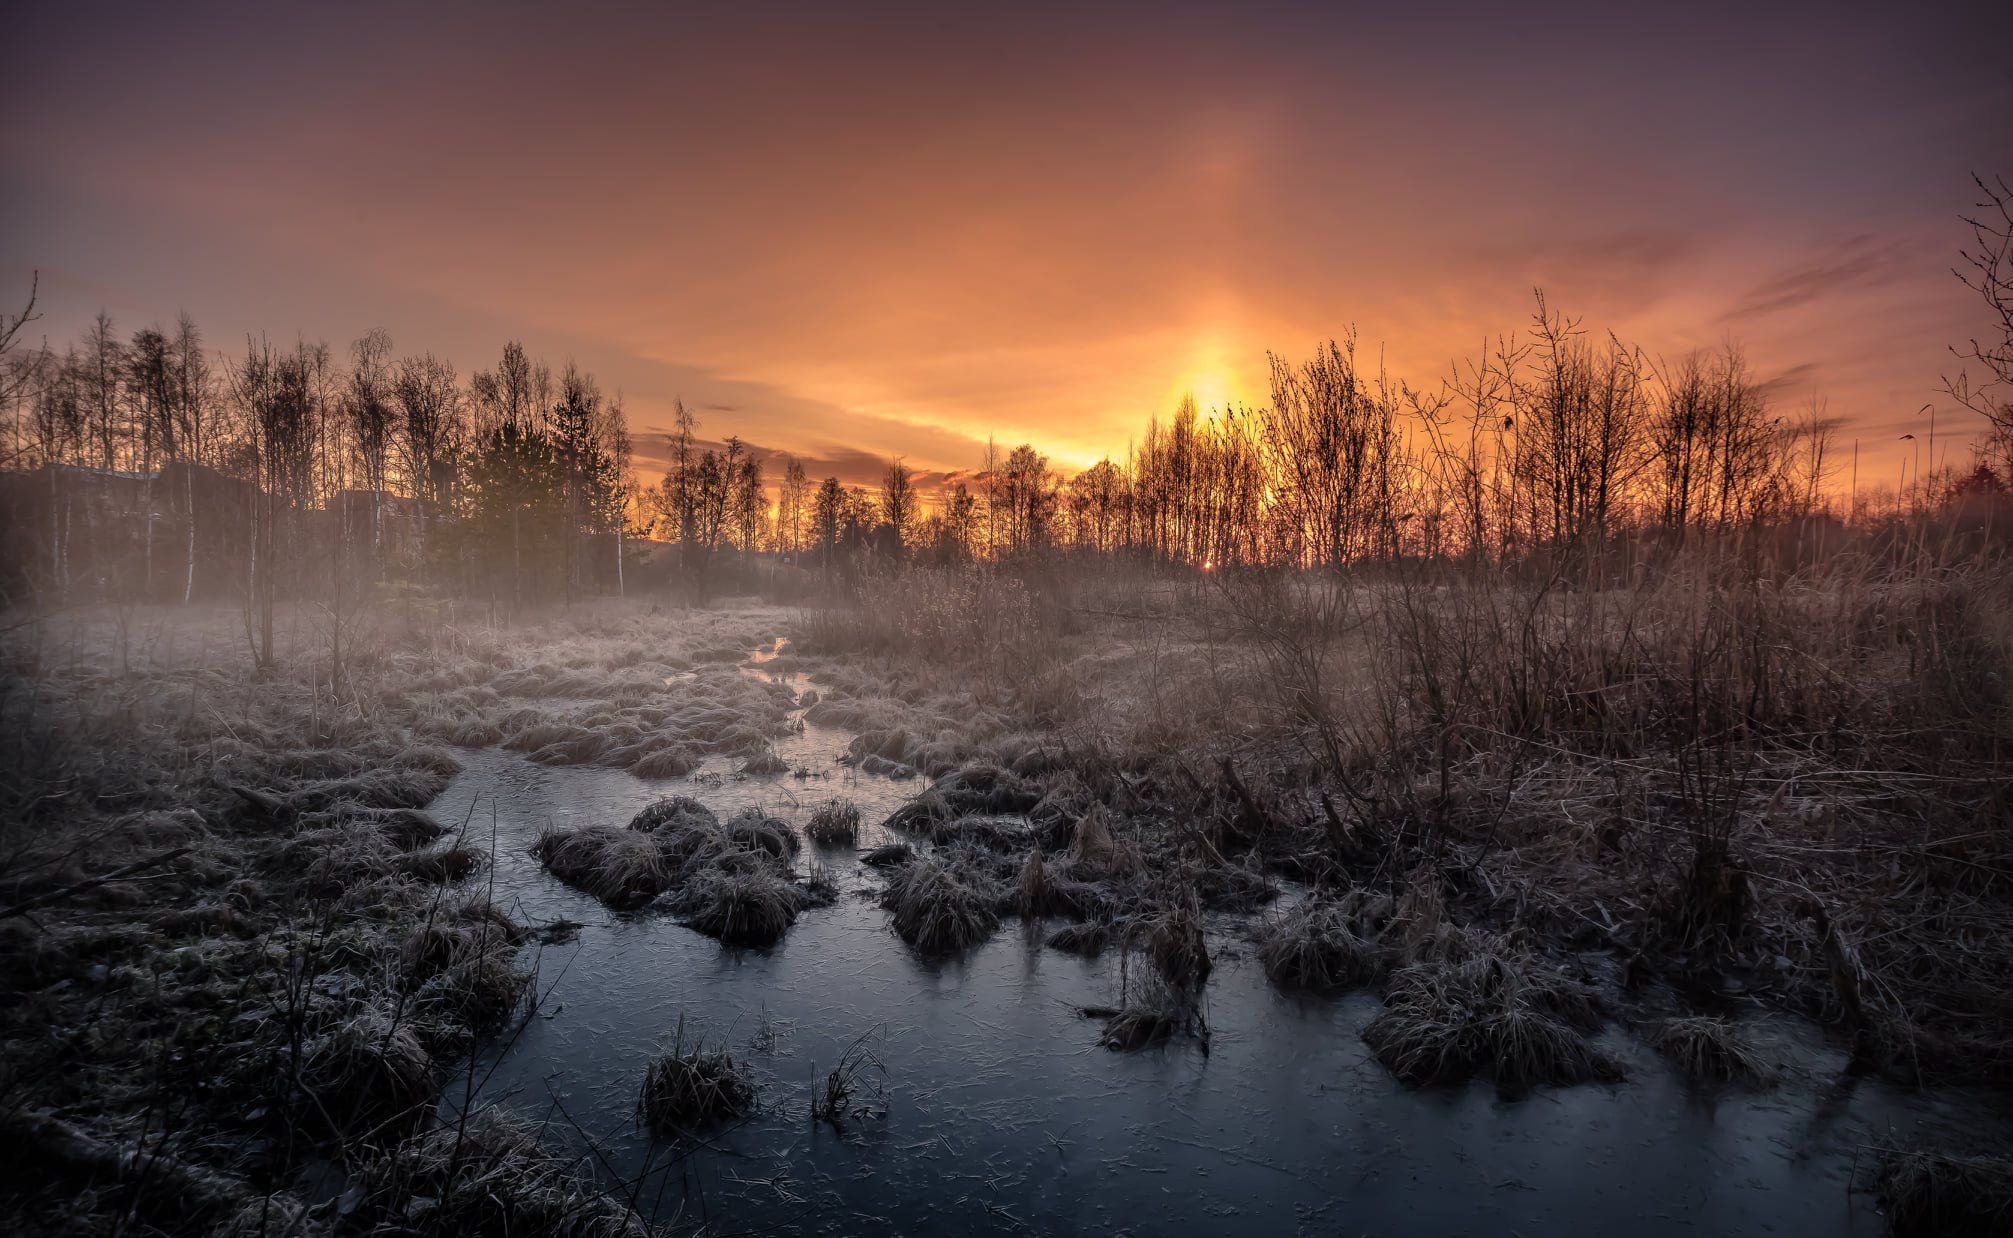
[[1856, 264]]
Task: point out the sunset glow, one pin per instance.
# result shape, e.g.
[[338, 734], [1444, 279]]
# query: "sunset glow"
[[848, 237]]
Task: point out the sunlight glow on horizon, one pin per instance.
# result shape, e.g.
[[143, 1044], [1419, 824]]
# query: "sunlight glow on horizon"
[[877, 239]]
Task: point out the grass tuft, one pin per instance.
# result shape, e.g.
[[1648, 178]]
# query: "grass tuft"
[[690, 1087]]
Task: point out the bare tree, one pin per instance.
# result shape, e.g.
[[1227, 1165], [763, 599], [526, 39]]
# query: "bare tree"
[[1988, 270], [1577, 446], [426, 399], [898, 500], [369, 416]]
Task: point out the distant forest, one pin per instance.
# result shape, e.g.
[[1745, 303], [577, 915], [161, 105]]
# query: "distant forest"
[[150, 465]]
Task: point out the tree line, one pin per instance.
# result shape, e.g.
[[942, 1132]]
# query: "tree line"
[[519, 481]]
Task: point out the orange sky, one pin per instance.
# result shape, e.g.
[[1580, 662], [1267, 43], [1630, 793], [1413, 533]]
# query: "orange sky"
[[852, 232]]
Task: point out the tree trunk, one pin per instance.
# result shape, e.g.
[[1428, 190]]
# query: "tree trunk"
[[189, 496]]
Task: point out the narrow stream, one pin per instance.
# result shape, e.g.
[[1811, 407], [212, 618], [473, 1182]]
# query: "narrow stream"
[[1003, 1115]]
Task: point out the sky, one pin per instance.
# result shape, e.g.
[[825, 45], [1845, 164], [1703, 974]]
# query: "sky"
[[858, 231]]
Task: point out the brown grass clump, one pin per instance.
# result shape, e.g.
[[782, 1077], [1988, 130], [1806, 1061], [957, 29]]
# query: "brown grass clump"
[[367, 1074], [457, 934], [474, 997], [391, 786], [1174, 943], [671, 762], [752, 831], [473, 732], [461, 968], [1093, 849], [1314, 946], [1137, 1027], [443, 866], [1442, 1023], [889, 855], [939, 910], [676, 812], [1934, 1195], [836, 824], [1087, 939], [1710, 1050], [487, 1177], [764, 763], [622, 868], [979, 790], [332, 861], [1033, 894], [740, 905], [404, 828], [690, 1087], [1151, 1012]]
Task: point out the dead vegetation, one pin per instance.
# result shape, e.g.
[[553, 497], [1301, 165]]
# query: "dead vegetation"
[[488, 1174], [1710, 1049], [690, 1087], [1489, 1012], [854, 1089], [1932, 1193], [1317, 946], [835, 824], [942, 907]]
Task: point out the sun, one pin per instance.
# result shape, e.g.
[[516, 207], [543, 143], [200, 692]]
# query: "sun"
[[1210, 376], [1213, 390]]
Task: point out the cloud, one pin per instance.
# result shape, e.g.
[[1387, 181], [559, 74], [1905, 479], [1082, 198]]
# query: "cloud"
[[1856, 264]]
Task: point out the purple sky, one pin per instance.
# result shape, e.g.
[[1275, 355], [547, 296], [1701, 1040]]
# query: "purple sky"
[[853, 231]]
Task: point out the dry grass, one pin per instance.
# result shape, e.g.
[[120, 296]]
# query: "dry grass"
[[485, 1177], [1315, 946], [1931, 1194], [941, 909], [889, 855], [1172, 936], [689, 1087], [1492, 1013], [677, 812], [1711, 1050], [623, 868], [368, 1075], [742, 906], [834, 824], [853, 1090]]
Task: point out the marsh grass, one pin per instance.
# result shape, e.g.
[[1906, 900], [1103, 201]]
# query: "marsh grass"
[[940, 908], [1929, 1194], [1316, 946], [622, 868], [835, 823], [855, 1089], [689, 1087], [748, 905], [486, 1175], [368, 1075], [1492, 1013], [1711, 1049]]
